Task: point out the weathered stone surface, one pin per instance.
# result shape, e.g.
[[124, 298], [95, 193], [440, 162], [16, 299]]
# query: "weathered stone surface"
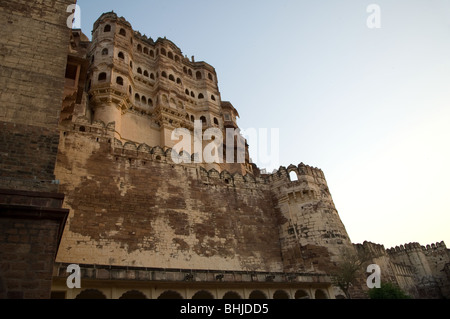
[[33, 53]]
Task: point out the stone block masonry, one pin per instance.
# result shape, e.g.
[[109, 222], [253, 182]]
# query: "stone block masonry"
[[31, 89], [130, 209], [34, 41]]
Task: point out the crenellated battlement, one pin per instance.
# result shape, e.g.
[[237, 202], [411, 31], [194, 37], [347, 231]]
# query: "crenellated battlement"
[[371, 248], [410, 247], [140, 151], [100, 132], [435, 247], [416, 247], [111, 16]]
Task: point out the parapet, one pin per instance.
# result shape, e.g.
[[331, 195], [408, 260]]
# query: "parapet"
[[416, 247], [136, 151], [300, 170], [371, 248], [434, 247], [111, 16]]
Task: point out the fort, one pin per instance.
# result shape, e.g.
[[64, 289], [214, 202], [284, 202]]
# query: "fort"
[[90, 179]]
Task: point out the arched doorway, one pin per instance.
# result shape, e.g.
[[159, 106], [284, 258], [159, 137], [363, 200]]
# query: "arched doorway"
[[231, 295], [280, 294], [202, 294], [301, 294], [90, 294], [133, 294], [170, 294], [257, 294], [320, 294]]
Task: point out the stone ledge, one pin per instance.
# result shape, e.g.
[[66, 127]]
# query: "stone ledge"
[[104, 272]]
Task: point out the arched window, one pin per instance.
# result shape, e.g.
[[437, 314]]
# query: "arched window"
[[144, 100], [105, 51], [198, 75], [192, 94], [293, 176], [121, 55], [179, 81], [203, 119], [192, 118], [146, 73], [145, 50], [185, 70], [216, 121], [107, 28], [187, 92], [152, 53], [152, 76], [164, 74], [137, 98], [102, 76], [139, 48], [201, 96], [210, 76], [123, 32], [163, 51], [213, 97], [170, 55], [119, 80], [139, 70], [150, 102], [171, 78], [190, 72]]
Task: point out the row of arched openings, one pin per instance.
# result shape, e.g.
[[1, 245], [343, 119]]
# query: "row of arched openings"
[[143, 99], [164, 74], [122, 31], [151, 53], [204, 294], [203, 119], [103, 76]]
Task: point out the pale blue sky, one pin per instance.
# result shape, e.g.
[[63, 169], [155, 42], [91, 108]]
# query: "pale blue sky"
[[371, 107]]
